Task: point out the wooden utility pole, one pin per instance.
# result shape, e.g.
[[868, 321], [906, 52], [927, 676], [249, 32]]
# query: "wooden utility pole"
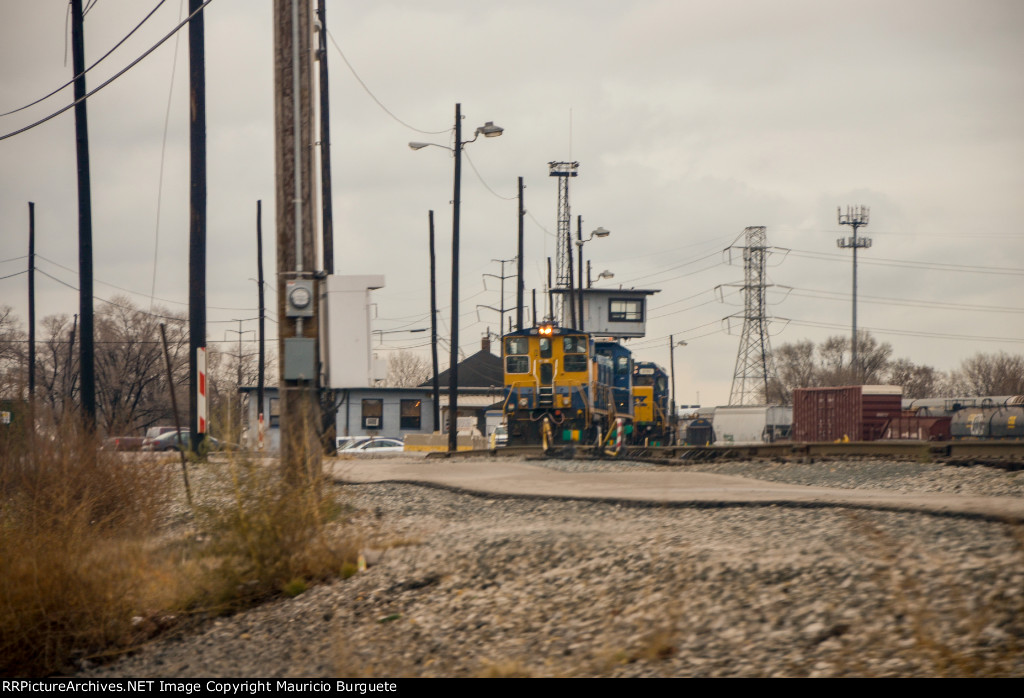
[[197, 226], [31, 317], [296, 243], [433, 326], [327, 205], [261, 374], [87, 368], [519, 262]]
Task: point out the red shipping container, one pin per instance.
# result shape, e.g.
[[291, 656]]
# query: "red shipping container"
[[853, 412]]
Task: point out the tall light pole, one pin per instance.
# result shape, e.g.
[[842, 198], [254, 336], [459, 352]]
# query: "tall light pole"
[[489, 130], [580, 242]]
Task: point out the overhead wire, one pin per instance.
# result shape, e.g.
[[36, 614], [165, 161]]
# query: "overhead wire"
[[373, 96], [109, 80], [163, 155], [94, 64]]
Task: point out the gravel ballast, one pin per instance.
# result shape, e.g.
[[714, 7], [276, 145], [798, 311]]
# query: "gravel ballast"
[[470, 585]]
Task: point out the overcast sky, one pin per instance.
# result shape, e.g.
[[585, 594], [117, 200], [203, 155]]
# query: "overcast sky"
[[690, 120]]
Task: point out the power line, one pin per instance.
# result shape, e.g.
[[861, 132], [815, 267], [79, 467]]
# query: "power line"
[[110, 80], [96, 63], [907, 333], [913, 264], [484, 182], [373, 96], [906, 302]]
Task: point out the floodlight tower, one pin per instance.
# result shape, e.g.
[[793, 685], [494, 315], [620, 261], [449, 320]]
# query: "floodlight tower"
[[755, 366], [563, 249], [855, 217]]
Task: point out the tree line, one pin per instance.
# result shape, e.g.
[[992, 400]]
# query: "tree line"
[[804, 364], [132, 390]]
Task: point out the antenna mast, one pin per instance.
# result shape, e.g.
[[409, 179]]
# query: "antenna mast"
[[855, 217]]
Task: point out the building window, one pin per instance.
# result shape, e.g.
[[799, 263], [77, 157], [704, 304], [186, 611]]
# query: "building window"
[[373, 414], [624, 310], [275, 412], [410, 417]]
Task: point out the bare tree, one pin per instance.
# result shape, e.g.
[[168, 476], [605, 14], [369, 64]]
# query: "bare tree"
[[989, 374], [406, 370], [918, 381], [13, 353], [804, 365]]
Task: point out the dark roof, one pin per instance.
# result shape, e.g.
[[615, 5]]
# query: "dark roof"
[[481, 370]]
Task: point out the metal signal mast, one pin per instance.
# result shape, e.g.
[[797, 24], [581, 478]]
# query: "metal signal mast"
[[563, 249], [855, 217], [755, 366]]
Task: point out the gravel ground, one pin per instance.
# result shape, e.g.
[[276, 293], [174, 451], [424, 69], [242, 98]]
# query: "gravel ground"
[[463, 585]]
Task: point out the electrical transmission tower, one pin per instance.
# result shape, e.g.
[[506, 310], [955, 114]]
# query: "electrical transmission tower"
[[855, 217], [563, 249], [755, 366]]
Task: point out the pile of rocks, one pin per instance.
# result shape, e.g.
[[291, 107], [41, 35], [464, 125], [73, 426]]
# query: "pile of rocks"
[[463, 585]]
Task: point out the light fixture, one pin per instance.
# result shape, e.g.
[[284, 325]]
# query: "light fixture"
[[490, 130], [416, 145]]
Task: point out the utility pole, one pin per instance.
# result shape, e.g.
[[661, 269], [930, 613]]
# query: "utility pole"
[[238, 382], [325, 143], [32, 316], [197, 225], [855, 217], [261, 370], [433, 327], [501, 308], [87, 334], [520, 288], [296, 247]]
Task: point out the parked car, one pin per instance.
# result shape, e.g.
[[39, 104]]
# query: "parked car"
[[343, 442], [154, 432], [170, 441], [373, 446], [123, 443], [501, 435]]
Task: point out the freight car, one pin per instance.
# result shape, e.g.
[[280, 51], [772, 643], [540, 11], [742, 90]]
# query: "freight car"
[[994, 421], [562, 386]]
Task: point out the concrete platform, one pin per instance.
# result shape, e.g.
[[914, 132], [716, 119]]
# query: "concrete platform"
[[508, 477]]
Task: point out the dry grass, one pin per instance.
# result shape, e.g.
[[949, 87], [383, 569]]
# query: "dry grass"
[[265, 536], [74, 568], [88, 567]]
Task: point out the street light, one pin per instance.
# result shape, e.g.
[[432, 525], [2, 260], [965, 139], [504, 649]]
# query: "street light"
[[596, 233], [488, 130], [672, 369]]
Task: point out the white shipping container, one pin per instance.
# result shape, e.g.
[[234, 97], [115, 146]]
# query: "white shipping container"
[[750, 425]]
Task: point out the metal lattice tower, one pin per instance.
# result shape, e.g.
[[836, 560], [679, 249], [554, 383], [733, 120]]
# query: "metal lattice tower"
[[563, 250], [755, 366], [855, 217]]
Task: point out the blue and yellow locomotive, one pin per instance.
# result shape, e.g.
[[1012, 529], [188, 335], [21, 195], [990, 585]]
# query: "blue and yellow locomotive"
[[652, 421], [566, 379]]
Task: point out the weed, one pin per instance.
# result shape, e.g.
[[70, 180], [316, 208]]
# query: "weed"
[[265, 534], [74, 567]]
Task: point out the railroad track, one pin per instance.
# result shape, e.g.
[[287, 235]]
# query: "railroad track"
[[1008, 455]]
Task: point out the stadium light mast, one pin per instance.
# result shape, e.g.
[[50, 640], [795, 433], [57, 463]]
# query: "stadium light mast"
[[855, 217]]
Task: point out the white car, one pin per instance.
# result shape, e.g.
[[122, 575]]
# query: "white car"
[[371, 446]]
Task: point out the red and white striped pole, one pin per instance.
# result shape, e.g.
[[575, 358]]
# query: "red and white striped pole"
[[201, 389]]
